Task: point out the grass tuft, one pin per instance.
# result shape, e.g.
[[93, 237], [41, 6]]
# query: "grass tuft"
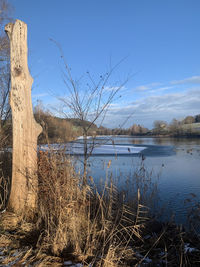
[[80, 224]]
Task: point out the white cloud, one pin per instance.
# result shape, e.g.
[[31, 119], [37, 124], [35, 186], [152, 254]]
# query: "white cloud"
[[163, 107], [142, 88], [161, 89], [114, 88], [154, 102], [147, 86], [190, 80]]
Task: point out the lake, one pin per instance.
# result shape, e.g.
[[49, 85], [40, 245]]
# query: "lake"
[[175, 166], [171, 165]]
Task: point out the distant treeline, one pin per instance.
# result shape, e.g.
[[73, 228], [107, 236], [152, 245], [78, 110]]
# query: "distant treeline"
[[135, 129], [189, 126], [61, 130]]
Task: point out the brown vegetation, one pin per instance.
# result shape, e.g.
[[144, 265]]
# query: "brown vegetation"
[[85, 225], [60, 130], [55, 130], [74, 222], [92, 228]]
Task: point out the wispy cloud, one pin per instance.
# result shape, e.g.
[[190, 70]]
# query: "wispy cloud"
[[114, 88], [163, 107], [155, 101], [161, 89], [147, 86], [190, 80]]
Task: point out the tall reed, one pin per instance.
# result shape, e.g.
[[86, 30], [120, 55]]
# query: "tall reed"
[[80, 222]]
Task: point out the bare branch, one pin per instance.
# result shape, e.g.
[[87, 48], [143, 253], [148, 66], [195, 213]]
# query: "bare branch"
[[90, 103]]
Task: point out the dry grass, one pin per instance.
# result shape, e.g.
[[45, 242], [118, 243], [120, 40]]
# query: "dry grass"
[[96, 229], [79, 222]]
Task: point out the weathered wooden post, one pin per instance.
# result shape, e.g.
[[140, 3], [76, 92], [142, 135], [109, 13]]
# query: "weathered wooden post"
[[25, 129]]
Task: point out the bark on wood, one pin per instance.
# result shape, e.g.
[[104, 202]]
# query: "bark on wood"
[[25, 129]]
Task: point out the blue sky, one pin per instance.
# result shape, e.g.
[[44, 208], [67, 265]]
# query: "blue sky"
[[159, 39]]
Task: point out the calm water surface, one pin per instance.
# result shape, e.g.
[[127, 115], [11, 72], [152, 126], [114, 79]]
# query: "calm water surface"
[[175, 161]]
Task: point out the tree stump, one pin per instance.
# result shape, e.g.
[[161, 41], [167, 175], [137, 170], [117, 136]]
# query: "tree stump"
[[24, 186]]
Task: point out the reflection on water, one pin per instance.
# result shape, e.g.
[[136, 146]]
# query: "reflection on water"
[[177, 160], [138, 141], [166, 141]]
